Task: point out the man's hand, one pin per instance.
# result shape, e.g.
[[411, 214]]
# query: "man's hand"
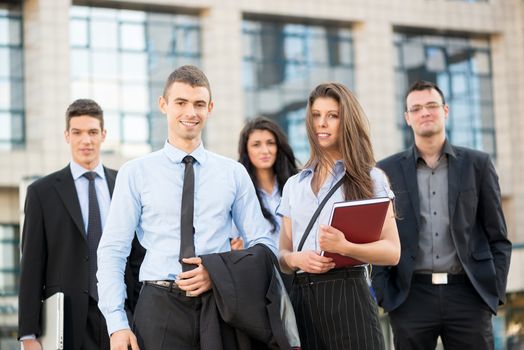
[[122, 339], [196, 281], [237, 243], [312, 262], [331, 239], [32, 344]]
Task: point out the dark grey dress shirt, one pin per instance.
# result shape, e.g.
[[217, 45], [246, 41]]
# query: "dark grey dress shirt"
[[436, 250]]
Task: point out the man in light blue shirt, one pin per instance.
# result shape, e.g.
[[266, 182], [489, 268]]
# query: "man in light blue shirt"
[[147, 199]]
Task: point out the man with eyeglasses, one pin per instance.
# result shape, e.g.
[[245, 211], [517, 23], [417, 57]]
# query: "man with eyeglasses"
[[455, 253]]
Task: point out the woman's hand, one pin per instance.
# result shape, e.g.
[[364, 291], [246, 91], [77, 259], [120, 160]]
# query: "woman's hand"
[[237, 243], [331, 240], [310, 261]]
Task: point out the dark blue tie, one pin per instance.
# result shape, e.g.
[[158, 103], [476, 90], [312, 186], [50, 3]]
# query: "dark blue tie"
[[94, 232], [187, 241]]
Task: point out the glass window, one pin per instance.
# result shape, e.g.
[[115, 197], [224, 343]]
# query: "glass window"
[[12, 133], [282, 62], [471, 0], [132, 36], [121, 58], [461, 67], [9, 259]]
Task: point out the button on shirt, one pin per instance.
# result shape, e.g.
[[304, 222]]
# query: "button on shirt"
[[82, 190], [436, 250], [299, 203], [147, 198]]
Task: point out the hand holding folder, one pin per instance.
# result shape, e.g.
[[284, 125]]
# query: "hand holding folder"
[[361, 221], [52, 337]]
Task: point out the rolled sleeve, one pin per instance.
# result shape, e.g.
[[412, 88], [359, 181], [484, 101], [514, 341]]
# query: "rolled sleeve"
[[381, 184]]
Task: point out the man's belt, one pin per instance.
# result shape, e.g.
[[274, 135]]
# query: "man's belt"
[[440, 278], [170, 286]]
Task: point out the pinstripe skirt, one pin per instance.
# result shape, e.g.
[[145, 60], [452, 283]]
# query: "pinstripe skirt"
[[336, 310]]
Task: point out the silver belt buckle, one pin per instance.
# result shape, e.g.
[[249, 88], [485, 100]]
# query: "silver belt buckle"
[[439, 278]]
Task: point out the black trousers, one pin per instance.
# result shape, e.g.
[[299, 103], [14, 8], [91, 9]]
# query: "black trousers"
[[455, 312], [167, 320], [95, 336], [335, 310]]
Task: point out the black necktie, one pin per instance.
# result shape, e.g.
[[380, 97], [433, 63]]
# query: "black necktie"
[[94, 232], [187, 241]]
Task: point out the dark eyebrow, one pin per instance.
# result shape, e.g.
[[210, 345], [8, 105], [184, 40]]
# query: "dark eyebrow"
[[181, 99], [92, 129]]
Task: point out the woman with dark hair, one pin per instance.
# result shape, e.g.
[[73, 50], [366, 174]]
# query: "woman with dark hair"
[[333, 306], [264, 151]]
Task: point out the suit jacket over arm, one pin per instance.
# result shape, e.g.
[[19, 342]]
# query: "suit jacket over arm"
[[246, 297]]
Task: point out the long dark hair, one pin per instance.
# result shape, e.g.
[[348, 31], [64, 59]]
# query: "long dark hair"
[[354, 140], [285, 163]]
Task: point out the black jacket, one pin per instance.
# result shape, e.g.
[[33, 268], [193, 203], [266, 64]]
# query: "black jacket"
[[476, 224], [243, 310], [55, 256]]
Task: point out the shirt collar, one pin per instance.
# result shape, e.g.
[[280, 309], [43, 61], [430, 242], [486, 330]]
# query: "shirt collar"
[[176, 155], [78, 171], [274, 191], [446, 149], [308, 171]]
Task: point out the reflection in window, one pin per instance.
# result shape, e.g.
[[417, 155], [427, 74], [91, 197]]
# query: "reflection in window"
[[12, 128], [461, 67], [121, 59], [283, 62], [9, 259]]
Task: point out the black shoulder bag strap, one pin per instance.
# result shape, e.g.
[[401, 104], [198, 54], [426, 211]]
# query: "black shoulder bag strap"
[[317, 213]]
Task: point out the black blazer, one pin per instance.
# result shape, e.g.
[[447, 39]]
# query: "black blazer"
[[55, 256], [243, 310], [477, 226]]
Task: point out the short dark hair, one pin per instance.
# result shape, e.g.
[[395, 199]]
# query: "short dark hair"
[[84, 106], [190, 75], [421, 85], [285, 164]]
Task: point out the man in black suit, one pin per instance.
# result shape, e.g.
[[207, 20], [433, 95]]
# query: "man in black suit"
[[64, 216], [455, 252]]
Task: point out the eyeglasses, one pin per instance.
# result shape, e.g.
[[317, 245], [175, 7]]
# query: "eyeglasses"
[[430, 107]]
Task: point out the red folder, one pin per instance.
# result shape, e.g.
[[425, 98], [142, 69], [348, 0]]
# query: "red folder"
[[361, 221]]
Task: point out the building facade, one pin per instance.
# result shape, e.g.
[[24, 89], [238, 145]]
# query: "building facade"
[[262, 58]]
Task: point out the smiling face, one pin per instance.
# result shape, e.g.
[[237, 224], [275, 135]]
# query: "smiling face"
[[85, 136], [262, 149], [426, 114], [326, 123], [187, 109]]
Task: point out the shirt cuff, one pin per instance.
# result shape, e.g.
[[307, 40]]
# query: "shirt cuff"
[[116, 321], [28, 337]]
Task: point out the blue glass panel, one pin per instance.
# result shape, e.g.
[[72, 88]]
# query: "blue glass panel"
[[12, 133], [461, 67], [283, 62], [122, 62]]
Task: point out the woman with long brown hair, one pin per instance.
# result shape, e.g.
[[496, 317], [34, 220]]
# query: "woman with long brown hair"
[[264, 151], [334, 307]]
